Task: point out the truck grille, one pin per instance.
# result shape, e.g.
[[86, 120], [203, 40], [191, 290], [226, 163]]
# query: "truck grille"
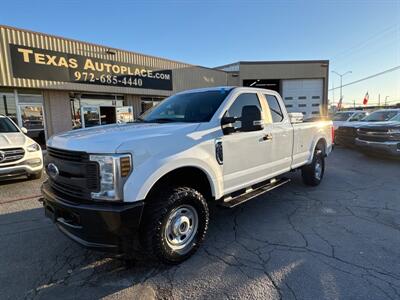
[[11, 154], [346, 131], [377, 135], [78, 177]]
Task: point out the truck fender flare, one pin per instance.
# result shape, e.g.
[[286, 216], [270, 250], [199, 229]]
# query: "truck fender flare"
[[216, 190]]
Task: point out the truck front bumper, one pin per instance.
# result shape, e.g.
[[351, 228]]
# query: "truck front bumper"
[[110, 227], [389, 147]]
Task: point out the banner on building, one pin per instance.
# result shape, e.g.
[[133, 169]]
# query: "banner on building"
[[42, 64]]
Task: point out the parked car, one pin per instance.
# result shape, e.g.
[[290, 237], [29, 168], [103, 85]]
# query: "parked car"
[[151, 181], [381, 137], [341, 117], [346, 134], [19, 154]]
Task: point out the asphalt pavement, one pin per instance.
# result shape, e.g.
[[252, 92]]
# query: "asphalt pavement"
[[340, 240]]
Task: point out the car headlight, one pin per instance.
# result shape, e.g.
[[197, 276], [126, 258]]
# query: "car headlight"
[[33, 148], [394, 130], [114, 170]]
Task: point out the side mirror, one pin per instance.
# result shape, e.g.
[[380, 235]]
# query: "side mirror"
[[227, 125], [296, 117], [251, 118], [24, 130]]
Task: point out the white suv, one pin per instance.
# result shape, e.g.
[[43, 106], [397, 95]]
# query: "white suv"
[[19, 154]]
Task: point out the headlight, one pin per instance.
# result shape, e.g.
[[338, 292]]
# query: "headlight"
[[33, 148], [113, 172], [394, 130]]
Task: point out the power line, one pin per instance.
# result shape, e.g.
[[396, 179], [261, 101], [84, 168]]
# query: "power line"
[[364, 42], [368, 77]]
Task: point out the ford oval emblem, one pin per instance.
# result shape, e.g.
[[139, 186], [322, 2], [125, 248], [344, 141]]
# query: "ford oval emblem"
[[52, 170]]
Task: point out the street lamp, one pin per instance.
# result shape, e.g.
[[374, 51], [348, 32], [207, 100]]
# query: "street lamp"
[[386, 100], [341, 82]]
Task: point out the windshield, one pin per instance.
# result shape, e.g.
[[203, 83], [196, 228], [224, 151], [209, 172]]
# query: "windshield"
[[396, 118], [382, 115], [188, 107], [7, 126], [341, 116]]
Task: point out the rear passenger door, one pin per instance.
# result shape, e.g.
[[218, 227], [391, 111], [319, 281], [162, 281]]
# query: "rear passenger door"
[[282, 135]]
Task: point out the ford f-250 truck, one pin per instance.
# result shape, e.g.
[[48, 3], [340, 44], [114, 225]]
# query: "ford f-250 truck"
[[147, 185]]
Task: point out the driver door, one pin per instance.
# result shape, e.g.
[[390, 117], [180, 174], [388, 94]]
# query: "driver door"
[[244, 152]]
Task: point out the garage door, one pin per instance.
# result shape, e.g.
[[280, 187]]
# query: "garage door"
[[303, 95]]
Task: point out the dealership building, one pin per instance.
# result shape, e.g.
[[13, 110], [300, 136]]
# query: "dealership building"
[[51, 84]]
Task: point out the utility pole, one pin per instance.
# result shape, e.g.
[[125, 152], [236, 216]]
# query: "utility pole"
[[379, 100], [341, 82], [386, 100]]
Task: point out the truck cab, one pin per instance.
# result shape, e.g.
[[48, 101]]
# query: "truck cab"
[[147, 184]]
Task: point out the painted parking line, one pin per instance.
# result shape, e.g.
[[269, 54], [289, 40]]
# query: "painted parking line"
[[21, 199]]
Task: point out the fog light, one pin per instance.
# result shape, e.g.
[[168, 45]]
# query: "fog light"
[[34, 162]]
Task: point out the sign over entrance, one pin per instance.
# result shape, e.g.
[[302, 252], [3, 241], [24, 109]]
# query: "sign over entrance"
[[35, 63]]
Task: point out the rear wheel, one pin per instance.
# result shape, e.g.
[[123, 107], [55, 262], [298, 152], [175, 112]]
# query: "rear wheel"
[[313, 173], [175, 224]]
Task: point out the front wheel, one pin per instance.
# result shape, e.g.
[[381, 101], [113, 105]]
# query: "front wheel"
[[313, 173], [175, 224]]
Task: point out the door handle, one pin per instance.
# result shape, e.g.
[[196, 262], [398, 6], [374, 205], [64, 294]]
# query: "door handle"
[[267, 137]]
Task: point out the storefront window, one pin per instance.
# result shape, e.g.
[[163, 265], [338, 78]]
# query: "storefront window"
[[149, 102], [88, 110], [31, 115], [8, 105], [76, 113]]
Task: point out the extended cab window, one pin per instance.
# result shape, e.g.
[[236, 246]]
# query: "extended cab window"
[[276, 112], [236, 108]]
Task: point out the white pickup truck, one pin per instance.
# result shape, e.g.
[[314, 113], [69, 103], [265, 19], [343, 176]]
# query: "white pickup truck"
[[147, 185]]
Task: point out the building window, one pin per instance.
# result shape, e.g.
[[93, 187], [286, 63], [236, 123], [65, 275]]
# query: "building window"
[[8, 105], [302, 105], [289, 105], [148, 102], [302, 98], [315, 112], [89, 110], [315, 104], [288, 98], [275, 108], [315, 97]]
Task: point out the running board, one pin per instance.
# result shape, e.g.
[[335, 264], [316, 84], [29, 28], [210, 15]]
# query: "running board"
[[252, 192]]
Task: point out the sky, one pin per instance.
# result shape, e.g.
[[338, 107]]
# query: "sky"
[[358, 36]]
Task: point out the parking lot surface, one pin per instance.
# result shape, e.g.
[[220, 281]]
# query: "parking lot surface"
[[340, 240]]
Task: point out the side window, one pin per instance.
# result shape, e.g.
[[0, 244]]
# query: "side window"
[[236, 108], [357, 117], [276, 112]]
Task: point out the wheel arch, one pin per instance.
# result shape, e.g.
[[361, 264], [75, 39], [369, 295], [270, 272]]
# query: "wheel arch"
[[190, 176]]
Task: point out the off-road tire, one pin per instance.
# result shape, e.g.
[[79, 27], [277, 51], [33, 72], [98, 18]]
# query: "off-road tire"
[[309, 173], [155, 218]]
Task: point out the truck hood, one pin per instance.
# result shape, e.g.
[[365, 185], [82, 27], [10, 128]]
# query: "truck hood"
[[108, 138], [12, 140], [353, 124], [379, 125]]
